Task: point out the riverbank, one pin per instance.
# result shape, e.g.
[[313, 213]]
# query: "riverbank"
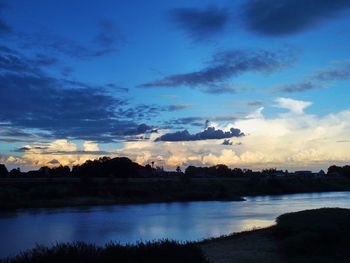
[[320, 235], [60, 192]]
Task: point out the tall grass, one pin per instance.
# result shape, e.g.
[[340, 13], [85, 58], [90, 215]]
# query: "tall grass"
[[156, 252]]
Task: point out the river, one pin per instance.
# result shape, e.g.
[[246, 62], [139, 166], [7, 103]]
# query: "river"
[[23, 229]]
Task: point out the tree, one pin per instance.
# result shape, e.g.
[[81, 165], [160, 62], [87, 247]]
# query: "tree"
[[3, 171], [222, 170], [178, 169], [16, 172]]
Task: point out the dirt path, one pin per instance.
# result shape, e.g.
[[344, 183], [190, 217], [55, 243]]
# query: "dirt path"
[[256, 246]]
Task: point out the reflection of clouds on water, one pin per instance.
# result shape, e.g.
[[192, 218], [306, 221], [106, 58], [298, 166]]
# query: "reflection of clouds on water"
[[250, 224], [132, 223]]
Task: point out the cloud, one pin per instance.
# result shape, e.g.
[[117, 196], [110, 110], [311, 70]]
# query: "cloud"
[[199, 121], [255, 103], [341, 71], [298, 87], [108, 36], [5, 28], [200, 24], [286, 141], [90, 146], [53, 162], [107, 40], [56, 152], [295, 106], [176, 107], [70, 113], [225, 65], [283, 17], [227, 142], [208, 134], [115, 87], [140, 129], [221, 88]]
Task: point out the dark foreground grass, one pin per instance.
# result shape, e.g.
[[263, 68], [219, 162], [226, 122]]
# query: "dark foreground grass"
[[321, 235], [160, 251]]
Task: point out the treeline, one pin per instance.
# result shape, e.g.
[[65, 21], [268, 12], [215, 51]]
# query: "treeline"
[[120, 167], [123, 167]]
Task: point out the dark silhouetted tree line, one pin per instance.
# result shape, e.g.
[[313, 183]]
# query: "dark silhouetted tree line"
[[122, 167], [339, 171], [219, 170]]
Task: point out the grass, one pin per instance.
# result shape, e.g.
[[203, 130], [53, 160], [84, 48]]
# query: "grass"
[[160, 251], [312, 236], [321, 235]]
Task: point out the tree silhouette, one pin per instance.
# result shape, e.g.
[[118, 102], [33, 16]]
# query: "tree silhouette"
[[3, 171]]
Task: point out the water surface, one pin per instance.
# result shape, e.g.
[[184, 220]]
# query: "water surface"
[[131, 223]]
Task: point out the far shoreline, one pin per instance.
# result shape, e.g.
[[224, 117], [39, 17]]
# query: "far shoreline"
[[22, 193]]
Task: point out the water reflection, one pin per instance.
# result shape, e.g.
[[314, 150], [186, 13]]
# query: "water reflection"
[[130, 223]]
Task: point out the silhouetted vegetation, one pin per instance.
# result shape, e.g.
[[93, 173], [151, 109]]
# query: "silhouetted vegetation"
[[310, 236], [321, 235], [3, 171], [339, 171], [119, 180], [161, 251], [122, 167]]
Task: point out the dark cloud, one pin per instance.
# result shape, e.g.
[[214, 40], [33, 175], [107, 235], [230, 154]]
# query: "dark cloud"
[[142, 128], [30, 99], [193, 121], [227, 142], [5, 28], [107, 41], [225, 65], [176, 107], [298, 87], [108, 37], [339, 72], [141, 112], [199, 121], [282, 17], [255, 103], [220, 89], [116, 87], [200, 24], [12, 134], [207, 134], [22, 149], [67, 47], [54, 161]]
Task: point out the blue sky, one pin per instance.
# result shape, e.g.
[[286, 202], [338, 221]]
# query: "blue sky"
[[166, 81]]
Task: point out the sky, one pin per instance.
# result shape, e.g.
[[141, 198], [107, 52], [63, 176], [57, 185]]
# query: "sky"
[[248, 83]]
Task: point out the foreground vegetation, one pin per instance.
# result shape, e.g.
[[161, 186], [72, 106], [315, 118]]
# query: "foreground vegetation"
[[321, 235], [161, 251]]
